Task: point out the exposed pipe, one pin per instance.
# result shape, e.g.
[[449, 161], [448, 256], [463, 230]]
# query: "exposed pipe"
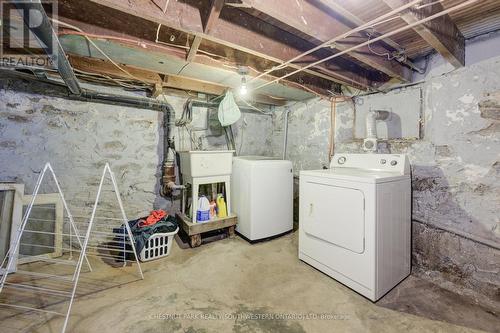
[[371, 141], [285, 134], [331, 137], [55, 51], [168, 173], [87, 95], [335, 39], [128, 101], [115, 99], [53, 48], [336, 55]]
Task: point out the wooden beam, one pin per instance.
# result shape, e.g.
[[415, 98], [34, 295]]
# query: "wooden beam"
[[302, 17], [105, 67], [195, 45], [238, 30], [184, 83], [311, 83], [209, 20], [354, 20], [157, 90], [158, 80], [133, 32], [162, 4], [441, 33], [212, 15]]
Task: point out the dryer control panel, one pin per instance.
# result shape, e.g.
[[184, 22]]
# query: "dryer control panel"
[[380, 162]]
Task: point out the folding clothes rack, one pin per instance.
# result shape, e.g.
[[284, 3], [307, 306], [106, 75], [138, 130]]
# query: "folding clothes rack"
[[42, 282]]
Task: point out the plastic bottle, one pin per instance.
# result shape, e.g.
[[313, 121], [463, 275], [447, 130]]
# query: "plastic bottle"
[[203, 212], [213, 213], [221, 205]]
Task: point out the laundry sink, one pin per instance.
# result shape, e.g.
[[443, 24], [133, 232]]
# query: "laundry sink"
[[206, 163]]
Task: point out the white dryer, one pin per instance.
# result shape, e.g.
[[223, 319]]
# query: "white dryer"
[[355, 221], [262, 196]]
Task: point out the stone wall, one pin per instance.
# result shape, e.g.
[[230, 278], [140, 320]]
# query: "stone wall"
[[78, 138], [455, 168]]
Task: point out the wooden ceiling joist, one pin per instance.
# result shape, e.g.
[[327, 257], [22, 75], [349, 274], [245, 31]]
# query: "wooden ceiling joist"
[[240, 31], [212, 16], [193, 49], [157, 80], [209, 20], [441, 33], [314, 84], [142, 38], [305, 18], [354, 20]]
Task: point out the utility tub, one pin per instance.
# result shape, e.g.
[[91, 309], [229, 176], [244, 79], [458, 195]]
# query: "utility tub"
[[206, 163]]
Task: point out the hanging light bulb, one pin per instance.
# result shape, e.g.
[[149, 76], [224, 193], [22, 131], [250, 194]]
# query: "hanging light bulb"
[[243, 71], [243, 87]]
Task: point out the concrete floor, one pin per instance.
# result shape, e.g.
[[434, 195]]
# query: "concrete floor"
[[231, 286]]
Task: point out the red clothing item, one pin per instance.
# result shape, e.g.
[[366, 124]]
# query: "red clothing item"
[[155, 216]]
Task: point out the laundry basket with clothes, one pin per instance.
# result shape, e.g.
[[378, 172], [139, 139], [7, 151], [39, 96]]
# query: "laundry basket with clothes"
[[153, 234]]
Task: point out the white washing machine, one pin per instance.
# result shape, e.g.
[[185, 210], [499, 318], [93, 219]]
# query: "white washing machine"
[[355, 221], [262, 196]]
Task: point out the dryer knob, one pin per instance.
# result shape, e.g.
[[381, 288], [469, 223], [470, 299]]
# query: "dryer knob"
[[394, 162], [341, 160]]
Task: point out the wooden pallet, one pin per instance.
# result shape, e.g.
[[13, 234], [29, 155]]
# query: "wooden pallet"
[[196, 230]]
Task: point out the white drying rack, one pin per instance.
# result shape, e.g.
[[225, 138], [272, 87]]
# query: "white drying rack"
[[72, 278]]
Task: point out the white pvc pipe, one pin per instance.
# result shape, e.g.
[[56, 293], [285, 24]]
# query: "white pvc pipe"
[[373, 22], [285, 134], [407, 27]]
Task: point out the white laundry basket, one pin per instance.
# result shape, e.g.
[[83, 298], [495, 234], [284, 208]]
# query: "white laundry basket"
[[157, 246]]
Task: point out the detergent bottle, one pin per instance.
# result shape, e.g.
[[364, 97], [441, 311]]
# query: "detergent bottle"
[[221, 206], [203, 212], [213, 213]]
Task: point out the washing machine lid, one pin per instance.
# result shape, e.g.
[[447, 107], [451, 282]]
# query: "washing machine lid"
[[256, 158], [357, 175], [261, 160]]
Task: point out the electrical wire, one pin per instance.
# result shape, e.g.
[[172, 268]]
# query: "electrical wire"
[[182, 68], [212, 54], [97, 48], [255, 108], [101, 78], [407, 27], [159, 25], [331, 141], [206, 54], [333, 117], [242, 129], [386, 54], [340, 37]]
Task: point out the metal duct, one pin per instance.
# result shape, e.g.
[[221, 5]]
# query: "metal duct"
[[371, 122], [53, 48], [370, 143]]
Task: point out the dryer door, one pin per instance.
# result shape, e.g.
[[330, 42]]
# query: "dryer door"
[[334, 214]]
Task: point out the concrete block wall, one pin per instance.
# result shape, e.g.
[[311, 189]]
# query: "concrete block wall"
[[455, 168], [79, 138]]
